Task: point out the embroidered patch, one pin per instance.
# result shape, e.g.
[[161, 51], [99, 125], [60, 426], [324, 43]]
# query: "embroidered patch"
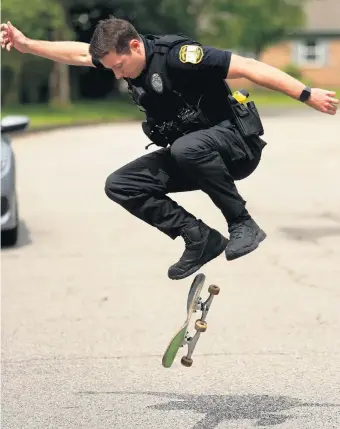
[[157, 83], [191, 54]]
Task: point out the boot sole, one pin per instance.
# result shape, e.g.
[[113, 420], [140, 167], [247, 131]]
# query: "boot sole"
[[192, 270], [258, 239]]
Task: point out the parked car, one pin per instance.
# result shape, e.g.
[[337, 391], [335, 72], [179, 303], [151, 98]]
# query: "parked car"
[[9, 200]]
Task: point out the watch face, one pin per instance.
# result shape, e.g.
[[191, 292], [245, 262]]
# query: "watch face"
[[305, 94]]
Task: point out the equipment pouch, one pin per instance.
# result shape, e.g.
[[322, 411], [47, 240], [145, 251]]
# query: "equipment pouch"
[[246, 118]]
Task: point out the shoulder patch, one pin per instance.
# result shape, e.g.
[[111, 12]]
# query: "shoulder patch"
[[191, 54]]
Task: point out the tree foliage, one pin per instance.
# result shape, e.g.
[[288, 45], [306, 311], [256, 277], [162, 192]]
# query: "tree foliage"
[[243, 25], [251, 25], [35, 18]]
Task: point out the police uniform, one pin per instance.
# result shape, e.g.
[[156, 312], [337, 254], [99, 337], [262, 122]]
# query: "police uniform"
[[207, 154]]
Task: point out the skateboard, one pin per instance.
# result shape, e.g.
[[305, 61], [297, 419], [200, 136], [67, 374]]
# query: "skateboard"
[[181, 337]]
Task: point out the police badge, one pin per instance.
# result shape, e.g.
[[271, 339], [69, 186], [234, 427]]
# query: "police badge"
[[157, 83], [191, 54]]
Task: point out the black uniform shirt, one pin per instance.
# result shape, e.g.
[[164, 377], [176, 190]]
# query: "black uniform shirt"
[[188, 62], [204, 61], [194, 69], [201, 69]]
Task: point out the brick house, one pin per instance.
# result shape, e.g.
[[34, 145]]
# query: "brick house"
[[315, 48]]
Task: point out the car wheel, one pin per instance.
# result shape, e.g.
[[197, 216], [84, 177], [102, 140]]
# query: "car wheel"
[[10, 237]]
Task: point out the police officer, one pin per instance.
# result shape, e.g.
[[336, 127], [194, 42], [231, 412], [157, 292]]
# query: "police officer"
[[181, 86]]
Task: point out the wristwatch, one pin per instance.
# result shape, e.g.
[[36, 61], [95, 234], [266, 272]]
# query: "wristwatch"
[[305, 94]]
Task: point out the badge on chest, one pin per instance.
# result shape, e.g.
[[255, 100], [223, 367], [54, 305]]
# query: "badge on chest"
[[157, 83]]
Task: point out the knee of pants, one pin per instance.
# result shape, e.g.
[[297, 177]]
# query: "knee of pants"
[[114, 187], [183, 150], [127, 193], [111, 187]]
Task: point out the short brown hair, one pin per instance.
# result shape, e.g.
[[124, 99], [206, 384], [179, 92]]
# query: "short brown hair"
[[112, 34]]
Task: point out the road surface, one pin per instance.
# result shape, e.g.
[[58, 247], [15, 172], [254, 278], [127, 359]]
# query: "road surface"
[[87, 308]]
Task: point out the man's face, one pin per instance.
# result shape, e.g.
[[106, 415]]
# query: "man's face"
[[126, 65]]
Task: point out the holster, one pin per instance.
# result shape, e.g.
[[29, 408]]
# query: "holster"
[[246, 118]]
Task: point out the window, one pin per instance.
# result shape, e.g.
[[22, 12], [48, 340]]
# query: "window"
[[311, 52]]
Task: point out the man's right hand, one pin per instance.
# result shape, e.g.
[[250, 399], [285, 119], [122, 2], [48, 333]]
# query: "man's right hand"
[[11, 37]]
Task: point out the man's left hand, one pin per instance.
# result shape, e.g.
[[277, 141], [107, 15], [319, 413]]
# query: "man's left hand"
[[323, 100]]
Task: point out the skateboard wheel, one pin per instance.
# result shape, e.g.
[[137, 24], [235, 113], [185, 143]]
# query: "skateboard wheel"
[[214, 290], [201, 326], [185, 361]]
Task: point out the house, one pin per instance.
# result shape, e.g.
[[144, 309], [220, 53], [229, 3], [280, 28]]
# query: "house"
[[315, 48]]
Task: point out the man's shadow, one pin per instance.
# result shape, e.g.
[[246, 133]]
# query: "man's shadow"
[[310, 234], [262, 410]]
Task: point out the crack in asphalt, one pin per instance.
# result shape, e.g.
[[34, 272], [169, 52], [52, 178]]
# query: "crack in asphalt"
[[298, 278]]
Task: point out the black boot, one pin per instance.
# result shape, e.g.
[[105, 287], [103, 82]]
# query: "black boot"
[[202, 244], [245, 236]]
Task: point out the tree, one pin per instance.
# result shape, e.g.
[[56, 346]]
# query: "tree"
[[149, 16], [252, 25], [38, 19]]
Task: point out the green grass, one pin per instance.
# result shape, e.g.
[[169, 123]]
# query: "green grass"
[[91, 112], [42, 115], [265, 98]]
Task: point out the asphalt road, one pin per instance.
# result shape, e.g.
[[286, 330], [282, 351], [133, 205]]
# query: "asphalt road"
[[87, 308]]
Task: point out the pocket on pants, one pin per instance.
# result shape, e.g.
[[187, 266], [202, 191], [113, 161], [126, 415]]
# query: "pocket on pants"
[[231, 140], [241, 170]]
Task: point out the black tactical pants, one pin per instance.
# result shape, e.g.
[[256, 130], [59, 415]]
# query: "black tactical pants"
[[208, 160]]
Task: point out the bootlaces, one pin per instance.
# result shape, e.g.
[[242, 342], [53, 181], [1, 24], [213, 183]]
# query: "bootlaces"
[[187, 240], [236, 231]]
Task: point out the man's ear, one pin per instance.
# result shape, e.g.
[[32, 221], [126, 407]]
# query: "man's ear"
[[135, 45]]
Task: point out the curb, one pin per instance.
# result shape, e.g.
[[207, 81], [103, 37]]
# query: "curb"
[[49, 128]]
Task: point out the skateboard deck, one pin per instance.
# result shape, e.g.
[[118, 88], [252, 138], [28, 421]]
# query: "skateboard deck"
[[181, 337]]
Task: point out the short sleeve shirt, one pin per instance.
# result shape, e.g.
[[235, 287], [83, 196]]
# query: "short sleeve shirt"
[[192, 67], [200, 61], [195, 70], [190, 60]]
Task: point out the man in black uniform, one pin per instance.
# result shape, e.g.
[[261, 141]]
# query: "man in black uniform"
[[181, 86], [210, 157]]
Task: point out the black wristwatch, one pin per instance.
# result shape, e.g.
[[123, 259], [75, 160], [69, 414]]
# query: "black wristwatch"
[[305, 94]]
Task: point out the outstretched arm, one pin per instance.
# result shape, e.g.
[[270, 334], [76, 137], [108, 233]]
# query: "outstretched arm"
[[72, 53], [270, 77]]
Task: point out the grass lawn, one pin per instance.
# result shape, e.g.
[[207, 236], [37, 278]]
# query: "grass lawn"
[[42, 115], [87, 112]]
